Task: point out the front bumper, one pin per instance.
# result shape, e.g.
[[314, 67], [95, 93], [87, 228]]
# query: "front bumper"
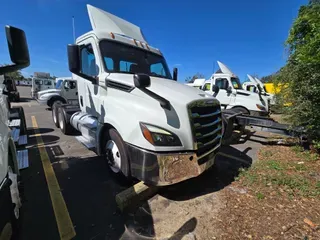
[[259, 113], [42, 102], [162, 169]]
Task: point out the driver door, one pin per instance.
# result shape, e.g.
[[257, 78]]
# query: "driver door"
[[70, 90], [223, 96]]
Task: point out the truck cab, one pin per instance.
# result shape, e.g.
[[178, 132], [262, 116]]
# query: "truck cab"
[[65, 91], [40, 82], [9, 170], [256, 86], [133, 111], [231, 94]]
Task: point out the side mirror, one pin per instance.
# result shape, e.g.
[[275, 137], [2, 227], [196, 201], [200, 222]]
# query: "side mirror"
[[229, 89], [175, 74], [74, 58], [141, 80], [215, 89], [18, 49], [74, 63]]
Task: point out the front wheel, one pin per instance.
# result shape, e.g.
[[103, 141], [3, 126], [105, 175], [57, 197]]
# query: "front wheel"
[[116, 154]]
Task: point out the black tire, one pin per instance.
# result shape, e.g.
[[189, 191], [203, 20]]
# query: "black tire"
[[54, 112], [53, 101], [113, 135], [15, 222], [64, 123]]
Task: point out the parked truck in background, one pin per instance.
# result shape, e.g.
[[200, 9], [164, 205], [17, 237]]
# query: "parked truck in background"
[[256, 86], [132, 111], [9, 166], [226, 87], [65, 91], [41, 81]]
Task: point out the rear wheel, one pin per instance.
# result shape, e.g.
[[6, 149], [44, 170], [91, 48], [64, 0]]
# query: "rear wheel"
[[54, 112], [64, 123], [15, 198], [116, 154]]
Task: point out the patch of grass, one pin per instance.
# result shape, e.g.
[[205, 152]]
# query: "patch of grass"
[[300, 167], [267, 154], [260, 195], [306, 155], [272, 164]]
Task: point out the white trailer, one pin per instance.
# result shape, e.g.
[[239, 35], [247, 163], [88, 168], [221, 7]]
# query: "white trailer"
[[10, 158], [132, 111]]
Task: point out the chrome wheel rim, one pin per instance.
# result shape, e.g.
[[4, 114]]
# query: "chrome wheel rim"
[[113, 156]]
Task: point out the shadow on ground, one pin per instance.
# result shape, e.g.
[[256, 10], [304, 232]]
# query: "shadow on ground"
[[40, 130], [25, 99]]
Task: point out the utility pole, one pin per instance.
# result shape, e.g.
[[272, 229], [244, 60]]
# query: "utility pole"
[[73, 29]]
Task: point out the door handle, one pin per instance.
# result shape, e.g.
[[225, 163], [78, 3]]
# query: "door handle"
[[76, 93]]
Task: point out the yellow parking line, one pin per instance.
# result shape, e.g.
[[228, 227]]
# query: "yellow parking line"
[[65, 226]]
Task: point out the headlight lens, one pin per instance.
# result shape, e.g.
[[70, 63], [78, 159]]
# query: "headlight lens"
[[158, 136]]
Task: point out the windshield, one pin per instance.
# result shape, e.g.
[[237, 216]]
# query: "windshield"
[[59, 84], [123, 58], [236, 83]]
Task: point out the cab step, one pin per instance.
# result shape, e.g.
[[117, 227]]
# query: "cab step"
[[23, 140], [15, 133], [14, 123], [90, 144], [23, 159]]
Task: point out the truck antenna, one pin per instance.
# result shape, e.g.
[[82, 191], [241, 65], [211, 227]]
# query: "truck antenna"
[[73, 29]]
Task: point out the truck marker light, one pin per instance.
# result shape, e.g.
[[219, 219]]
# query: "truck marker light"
[[147, 47], [135, 42], [147, 134], [112, 35], [141, 45]]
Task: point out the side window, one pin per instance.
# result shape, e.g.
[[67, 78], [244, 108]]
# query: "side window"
[[47, 82], [109, 63], [38, 82], [222, 83], [88, 61], [128, 67], [206, 87], [157, 69], [72, 84], [66, 85]]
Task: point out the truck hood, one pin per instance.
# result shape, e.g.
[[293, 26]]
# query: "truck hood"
[[244, 92], [171, 90], [49, 91]]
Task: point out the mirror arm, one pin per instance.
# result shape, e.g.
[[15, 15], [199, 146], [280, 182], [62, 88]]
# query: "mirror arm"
[[163, 102]]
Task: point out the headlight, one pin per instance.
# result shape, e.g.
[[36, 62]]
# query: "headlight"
[[262, 108], [159, 136]]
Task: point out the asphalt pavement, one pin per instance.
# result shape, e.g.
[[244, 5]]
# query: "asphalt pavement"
[[69, 192]]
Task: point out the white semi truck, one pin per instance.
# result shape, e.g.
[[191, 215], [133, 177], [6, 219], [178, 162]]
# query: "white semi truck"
[[41, 81], [226, 87], [9, 158], [255, 85], [132, 111], [66, 91]]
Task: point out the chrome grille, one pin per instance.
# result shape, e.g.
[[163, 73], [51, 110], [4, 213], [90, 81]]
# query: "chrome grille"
[[206, 124]]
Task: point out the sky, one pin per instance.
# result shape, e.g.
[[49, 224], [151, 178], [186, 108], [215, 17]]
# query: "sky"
[[248, 35]]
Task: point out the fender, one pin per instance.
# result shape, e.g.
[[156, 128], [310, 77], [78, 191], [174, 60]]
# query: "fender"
[[55, 97]]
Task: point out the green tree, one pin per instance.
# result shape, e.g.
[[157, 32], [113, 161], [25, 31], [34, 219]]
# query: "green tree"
[[191, 79], [302, 71]]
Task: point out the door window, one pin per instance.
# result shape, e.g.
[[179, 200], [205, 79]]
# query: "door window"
[[222, 83], [88, 61], [157, 69], [206, 87]]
